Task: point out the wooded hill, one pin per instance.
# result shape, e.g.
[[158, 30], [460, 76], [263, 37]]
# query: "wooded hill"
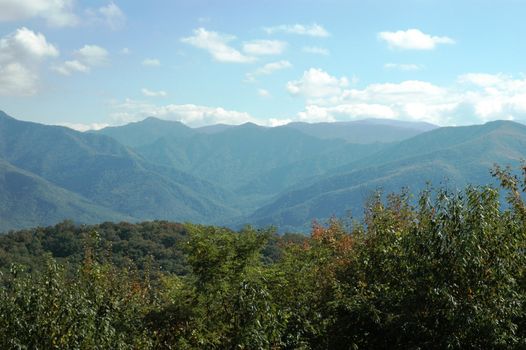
[[232, 175]]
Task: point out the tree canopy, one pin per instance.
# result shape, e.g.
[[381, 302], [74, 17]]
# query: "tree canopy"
[[444, 270]]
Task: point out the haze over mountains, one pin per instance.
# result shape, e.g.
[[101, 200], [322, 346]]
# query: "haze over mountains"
[[231, 175]]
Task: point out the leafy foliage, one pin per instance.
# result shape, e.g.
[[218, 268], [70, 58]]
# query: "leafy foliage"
[[446, 272], [99, 307], [156, 243]]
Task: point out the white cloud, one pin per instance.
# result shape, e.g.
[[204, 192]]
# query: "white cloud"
[[189, 114], [21, 53], [268, 69], [271, 67], [113, 15], [410, 100], [315, 113], [278, 122], [69, 67], [85, 58], [314, 30], [264, 47], [92, 55], [217, 45], [485, 80], [473, 98], [151, 62], [109, 15], [84, 127], [493, 96], [17, 80], [125, 51], [316, 50], [263, 93], [316, 83], [391, 92], [25, 45], [403, 66], [150, 93], [413, 39], [58, 13]]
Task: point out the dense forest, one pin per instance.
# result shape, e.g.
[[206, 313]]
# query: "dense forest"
[[444, 269]]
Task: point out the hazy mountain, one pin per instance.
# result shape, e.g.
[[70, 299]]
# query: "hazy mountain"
[[214, 129], [107, 173], [28, 200], [308, 169], [146, 131], [365, 131], [253, 161], [282, 176], [422, 126], [450, 156], [440, 139]]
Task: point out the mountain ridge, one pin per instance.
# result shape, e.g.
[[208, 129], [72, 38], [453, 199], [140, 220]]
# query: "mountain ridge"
[[108, 174], [242, 174], [32, 200], [460, 164]]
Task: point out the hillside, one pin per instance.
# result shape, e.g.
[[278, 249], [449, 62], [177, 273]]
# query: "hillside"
[[449, 156], [146, 131], [234, 175], [109, 174], [444, 275], [365, 131], [238, 155], [28, 200], [260, 161]]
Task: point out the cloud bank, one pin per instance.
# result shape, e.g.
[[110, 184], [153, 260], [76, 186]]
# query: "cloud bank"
[[413, 39], [21, 54], [472, 98]]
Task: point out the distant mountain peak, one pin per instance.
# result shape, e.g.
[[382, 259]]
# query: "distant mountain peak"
[[499, 123], [5, 115], [226, 174], [248, 126], [147, 119], [251, 125], [364, 131], [159, 121], [147, 131], [214, 128]]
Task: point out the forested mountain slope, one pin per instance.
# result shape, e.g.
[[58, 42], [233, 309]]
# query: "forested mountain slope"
[[232, 175], [28, 200], [452, 157], [108, 174]]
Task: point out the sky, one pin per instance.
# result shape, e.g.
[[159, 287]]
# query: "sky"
[[90, 64]]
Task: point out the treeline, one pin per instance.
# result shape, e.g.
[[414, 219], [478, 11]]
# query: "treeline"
[[446, 270], [122, 244], [156, 245]]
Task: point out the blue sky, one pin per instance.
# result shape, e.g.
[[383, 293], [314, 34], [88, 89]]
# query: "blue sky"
[[88, 64]]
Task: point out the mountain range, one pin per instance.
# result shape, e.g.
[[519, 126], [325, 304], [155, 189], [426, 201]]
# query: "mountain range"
[[231, 175]]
